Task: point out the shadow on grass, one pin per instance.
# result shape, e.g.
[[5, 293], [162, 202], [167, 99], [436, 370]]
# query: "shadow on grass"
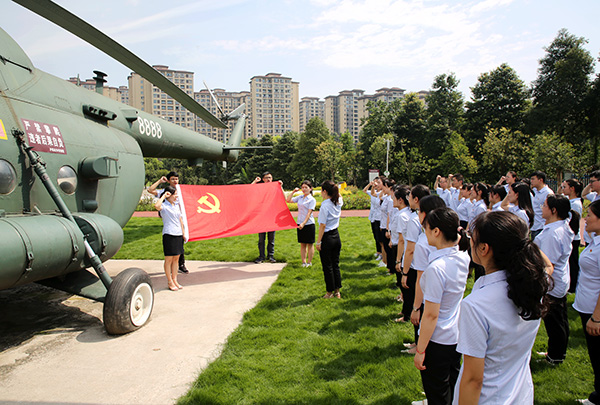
[[345, 366]]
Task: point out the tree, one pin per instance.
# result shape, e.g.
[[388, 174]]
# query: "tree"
[[564, 79], [348, 166], [304, 163], [554, 156], [380, 121], [499, 100], [503, 150], [456, 157], [154, 169], [283, 152], [261, 159], [329, 155]]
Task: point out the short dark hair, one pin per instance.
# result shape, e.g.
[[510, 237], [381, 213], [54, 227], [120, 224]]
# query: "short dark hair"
[[170, 189], [596, 174], [540, 175], [172, 174], [458, 177], [419, 191], [500, 190]]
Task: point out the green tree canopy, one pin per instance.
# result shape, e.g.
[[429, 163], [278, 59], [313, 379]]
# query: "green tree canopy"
[[304, 163], [499, 100], [564, 79]]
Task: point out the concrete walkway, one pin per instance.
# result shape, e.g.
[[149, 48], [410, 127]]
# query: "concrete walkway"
[[59, 352]]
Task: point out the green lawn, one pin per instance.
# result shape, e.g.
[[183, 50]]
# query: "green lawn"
[[295, 347]]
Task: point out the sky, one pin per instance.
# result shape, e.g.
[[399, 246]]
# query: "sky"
[[326, 45]]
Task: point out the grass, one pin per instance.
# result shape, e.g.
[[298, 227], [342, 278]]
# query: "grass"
[[295, 347]]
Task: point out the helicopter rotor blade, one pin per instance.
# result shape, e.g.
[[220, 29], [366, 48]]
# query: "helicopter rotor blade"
[[75, 25], [235, 114], [214, 99]]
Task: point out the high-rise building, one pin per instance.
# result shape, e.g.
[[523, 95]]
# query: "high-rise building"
[[310, 107], [273, 106], [228, 101], [342, 113], [385, 94], [147, 97]]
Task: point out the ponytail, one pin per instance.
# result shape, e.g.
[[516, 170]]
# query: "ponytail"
[[446, 220], [522, 260], [332, 191]]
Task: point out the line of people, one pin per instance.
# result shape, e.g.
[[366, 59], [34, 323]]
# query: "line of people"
[[524, 243]]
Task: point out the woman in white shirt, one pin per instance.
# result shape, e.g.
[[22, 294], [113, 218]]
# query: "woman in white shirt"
[[328, 239], [465, 205], [555, 242], [411, 236], [499, 320], [306, 223], [173, 234], [443, 284], [518, 201], [587, 297], [572, 189]]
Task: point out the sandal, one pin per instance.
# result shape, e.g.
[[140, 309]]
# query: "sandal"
[[173, 288], [179, 286], [328, 295], [400, 320], [337, 295], [399, 298]]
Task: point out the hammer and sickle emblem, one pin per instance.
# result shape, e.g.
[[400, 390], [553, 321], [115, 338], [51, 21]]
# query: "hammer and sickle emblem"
[[212, 207]]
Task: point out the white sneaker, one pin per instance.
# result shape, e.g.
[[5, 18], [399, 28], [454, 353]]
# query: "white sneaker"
[[423, 402], [584, 401], [308, 264], [303, 264], [376, 255], [381, 264]]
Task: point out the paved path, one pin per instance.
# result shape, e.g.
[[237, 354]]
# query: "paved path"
[[59, 351]]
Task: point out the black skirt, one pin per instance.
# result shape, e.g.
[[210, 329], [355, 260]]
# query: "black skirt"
[[172, 245], [306, 234]]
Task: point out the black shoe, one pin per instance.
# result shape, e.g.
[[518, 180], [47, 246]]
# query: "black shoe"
[[272, 260], [258, 260], [182, 269]]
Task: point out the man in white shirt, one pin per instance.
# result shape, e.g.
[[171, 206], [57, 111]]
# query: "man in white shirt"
[[592, 190], [456, 181], [541, 191], [441, 188]]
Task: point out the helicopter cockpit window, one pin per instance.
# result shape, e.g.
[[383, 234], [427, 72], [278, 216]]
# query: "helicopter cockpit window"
[[8, 177], [67, 179]]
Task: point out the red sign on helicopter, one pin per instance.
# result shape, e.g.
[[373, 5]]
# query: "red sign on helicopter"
[[44, 137]]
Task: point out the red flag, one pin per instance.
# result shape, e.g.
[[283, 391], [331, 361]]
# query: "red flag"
[[220, 211]]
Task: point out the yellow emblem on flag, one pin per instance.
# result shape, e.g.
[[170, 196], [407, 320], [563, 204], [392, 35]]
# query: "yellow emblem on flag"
[[212, 207], [2, 131]]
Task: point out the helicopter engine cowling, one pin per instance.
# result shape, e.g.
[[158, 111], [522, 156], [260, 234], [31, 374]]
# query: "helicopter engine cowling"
[[37, 247]]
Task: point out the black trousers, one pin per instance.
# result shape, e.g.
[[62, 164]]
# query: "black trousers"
[[557, 326], [331, 245], [593, 346], [574, 265], [408, 294], [270, 246], [392, 256], [375, 230], [442, 364]]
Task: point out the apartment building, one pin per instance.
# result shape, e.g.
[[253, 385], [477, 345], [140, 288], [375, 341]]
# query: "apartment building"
[[310, 107], [272, 106], [385, 94], [147, 97], [342, 113]]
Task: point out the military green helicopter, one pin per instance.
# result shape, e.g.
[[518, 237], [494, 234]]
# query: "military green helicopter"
[[72, 172]]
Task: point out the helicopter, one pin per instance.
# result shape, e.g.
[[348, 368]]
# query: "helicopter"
[[72, 172]]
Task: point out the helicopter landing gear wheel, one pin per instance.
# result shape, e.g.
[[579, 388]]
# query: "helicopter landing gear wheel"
[[129, 302]]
